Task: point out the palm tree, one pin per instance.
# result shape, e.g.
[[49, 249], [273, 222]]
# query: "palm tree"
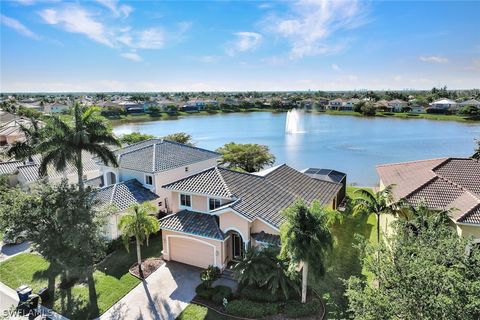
[[23, 150], [66, 140], [140, 224], [305, 238], [476, 155], [378, 203]]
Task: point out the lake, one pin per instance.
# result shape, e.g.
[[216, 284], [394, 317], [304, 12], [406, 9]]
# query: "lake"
[[354, 145]]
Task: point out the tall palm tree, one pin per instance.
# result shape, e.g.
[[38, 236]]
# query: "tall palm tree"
[[67, 139], [139, 223], [305, 238], [379, 203], [25, 149]]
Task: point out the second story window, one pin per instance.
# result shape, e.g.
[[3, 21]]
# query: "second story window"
[[185, 200], [214, 203], [149, 180]]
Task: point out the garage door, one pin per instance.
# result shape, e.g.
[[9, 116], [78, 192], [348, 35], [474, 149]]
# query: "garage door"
[[191, 252]]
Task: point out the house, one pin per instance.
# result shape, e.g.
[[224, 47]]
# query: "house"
[[11, 131], [154, 163], [383, 105], [444, 183], [416, 108], [349, 104], [52, 108], [335, 104], [471, 102], [444, 104], [397, 105], [219, 213]]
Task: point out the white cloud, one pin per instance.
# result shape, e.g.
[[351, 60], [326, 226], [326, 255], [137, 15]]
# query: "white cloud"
[[152, 38], [312, 22], [245, 41], [335, 67], [75, 19], [131, 56], [434, 59], [118, 10], [18, 26]]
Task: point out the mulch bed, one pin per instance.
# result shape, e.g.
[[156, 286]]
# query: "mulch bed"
[[149, 266]]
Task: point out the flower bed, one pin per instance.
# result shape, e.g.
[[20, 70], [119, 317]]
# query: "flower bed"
[[149, 266]]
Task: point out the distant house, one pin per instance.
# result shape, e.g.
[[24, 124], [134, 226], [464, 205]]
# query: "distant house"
[[471, 102], [52, 108], [11, 131], [444, 183], [383, 105], [349, 104], [416, 108], [335, 104], [397, 105], [444, 104]]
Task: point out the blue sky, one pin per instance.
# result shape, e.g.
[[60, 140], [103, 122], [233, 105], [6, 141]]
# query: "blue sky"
[[110, 45]]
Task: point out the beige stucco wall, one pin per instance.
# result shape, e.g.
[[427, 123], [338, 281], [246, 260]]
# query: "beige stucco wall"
[[217, 245], [465, 230], [199, 202], [258, 226], [232, 221]]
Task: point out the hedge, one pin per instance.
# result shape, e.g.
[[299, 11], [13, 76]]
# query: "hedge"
[[220, 293], [251, 309], [263, 294], [296, 309], [204, 292]]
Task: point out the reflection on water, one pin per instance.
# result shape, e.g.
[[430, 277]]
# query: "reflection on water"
[[354, 145]]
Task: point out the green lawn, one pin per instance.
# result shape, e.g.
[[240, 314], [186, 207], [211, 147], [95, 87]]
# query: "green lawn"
[[112, 280], [197, 312], [344, 260], [401, 115]]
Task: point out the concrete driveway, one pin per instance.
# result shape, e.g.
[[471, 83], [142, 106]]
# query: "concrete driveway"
[[163, 295]]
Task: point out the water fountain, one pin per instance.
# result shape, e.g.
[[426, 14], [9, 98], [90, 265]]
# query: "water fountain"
[[293, 123]]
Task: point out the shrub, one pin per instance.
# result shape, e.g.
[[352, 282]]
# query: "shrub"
[[220, 293], [204, 292], [209, 275], [260, 294], [296, 309], [250, 309], [114, 245]]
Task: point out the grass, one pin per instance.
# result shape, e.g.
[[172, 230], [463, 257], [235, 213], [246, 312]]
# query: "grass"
[[401, 115], [344, 260], [112, 280], [197, 312]]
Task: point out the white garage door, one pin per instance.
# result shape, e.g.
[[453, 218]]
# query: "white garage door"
[[191, 252]]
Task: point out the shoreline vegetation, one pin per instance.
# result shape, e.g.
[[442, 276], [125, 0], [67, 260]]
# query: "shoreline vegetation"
[[399, 115]]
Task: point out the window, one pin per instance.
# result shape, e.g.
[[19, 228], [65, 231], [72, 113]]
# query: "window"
[[213, 203], [149, 180], [185, 200]]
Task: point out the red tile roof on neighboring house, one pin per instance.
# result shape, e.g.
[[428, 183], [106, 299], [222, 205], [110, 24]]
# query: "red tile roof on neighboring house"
[[445, 183]]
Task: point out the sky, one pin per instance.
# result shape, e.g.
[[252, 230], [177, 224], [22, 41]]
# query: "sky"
[[145, 46]]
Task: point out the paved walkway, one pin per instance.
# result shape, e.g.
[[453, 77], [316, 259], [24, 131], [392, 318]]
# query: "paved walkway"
[[163, 295]]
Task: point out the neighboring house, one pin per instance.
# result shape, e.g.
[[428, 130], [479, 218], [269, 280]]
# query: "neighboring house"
[[120, 196], [25, 173], [383, 105], [11, 131], [445, 183], [349, 104], [471, 102], [335, 104], [397, 105], [156, 162], [219, 212], [444, 104], [416, 108]]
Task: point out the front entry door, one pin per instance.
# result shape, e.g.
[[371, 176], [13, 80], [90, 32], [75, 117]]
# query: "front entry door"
[[237, 246]]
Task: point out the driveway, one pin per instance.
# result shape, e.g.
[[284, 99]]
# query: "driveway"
[[9, 250], [163, 295]]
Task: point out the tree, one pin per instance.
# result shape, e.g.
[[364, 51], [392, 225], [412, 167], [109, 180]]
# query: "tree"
[[357, 107], [378, 203], [180, 137], [471, 111], [25, 149], [306, 238], [246, 157], [140, 224], [134, 137], [368, 109], [476, 154], [425, 271], [66, 140]]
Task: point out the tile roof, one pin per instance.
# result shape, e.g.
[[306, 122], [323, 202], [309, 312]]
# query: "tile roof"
[[447, 183], [10, 167], [157, 155], [325, 174], [196, 223], [96, 182], [266, 238], [256, 196], [124, 194]]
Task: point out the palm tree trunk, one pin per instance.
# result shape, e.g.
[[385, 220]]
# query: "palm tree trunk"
[[139, 258], [378, 228], [304, 281], [81, 185]]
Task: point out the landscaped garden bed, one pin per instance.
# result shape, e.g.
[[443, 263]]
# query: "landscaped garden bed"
[[149, 266]]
